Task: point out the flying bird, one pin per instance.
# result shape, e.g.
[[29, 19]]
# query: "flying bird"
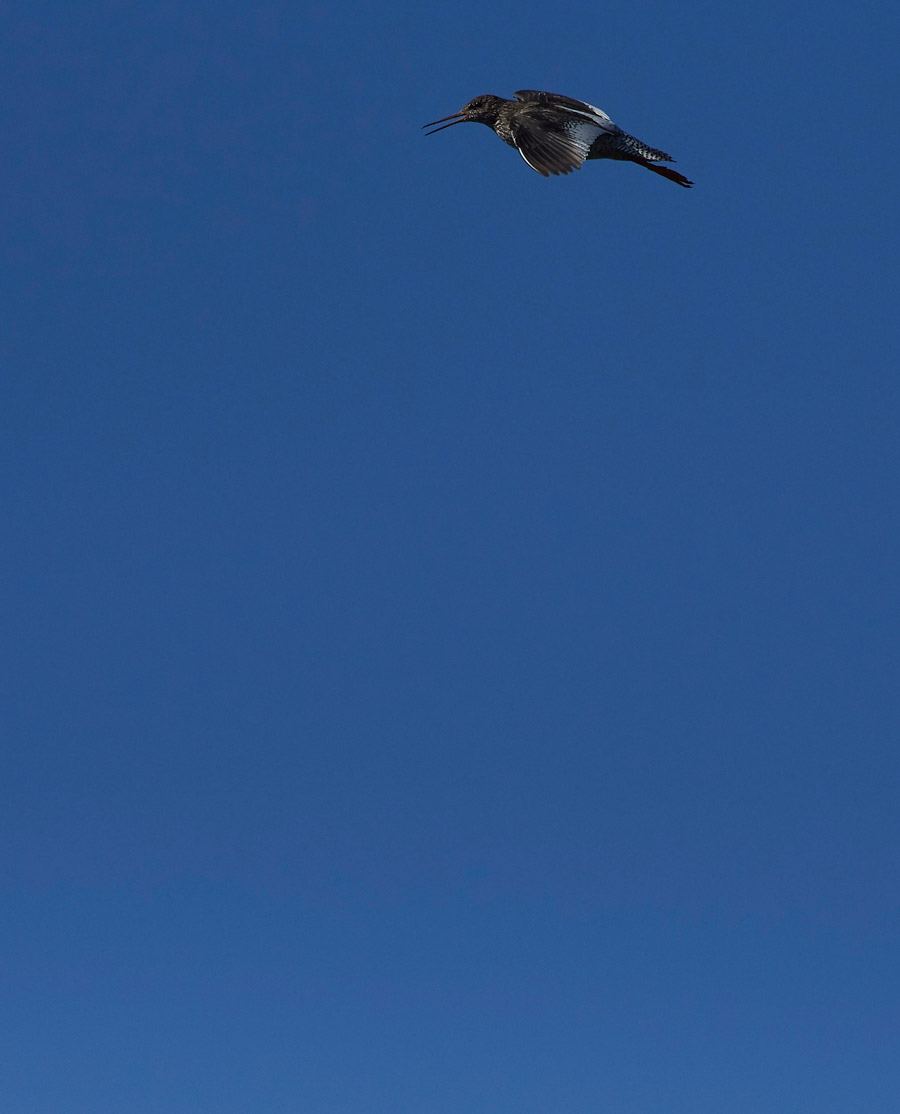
[[556, 134]]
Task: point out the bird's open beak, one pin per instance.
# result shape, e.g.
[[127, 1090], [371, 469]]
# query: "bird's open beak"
[[456, 118]]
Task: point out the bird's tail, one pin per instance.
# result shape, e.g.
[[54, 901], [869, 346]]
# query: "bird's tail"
[[625, 146]]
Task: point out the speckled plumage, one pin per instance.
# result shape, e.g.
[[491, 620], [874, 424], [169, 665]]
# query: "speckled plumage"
[[556, 134]]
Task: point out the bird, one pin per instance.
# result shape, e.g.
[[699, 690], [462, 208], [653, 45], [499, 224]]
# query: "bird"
[[556, 134]]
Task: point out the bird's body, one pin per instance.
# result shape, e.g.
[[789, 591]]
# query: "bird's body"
[[556, 134]]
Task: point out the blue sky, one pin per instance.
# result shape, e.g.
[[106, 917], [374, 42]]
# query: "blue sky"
[[451, 614]]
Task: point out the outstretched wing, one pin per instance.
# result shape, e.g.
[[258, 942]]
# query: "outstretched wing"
[[548, 146], [588, 111]]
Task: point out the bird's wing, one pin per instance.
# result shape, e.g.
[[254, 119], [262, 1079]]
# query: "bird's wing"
[[582, 108], [549, 146]]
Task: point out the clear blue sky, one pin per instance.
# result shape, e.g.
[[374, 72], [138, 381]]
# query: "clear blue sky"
[[451, 615]]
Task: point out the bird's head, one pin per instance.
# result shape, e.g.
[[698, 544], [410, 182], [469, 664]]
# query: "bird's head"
[[481, 110]]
